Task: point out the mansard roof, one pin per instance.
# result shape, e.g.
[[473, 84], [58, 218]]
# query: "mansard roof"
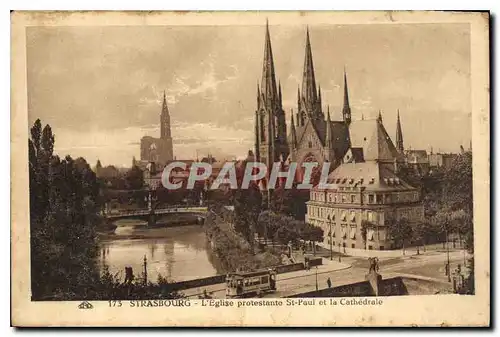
[[370, 174]]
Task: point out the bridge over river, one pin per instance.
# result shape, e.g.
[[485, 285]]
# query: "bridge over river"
[[151, 214]]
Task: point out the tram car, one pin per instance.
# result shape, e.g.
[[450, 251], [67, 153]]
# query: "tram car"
[[244, 284]]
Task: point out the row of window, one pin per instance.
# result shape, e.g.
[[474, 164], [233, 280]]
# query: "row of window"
[[353, 245], [326, 213], [352, 233], [375, 198]]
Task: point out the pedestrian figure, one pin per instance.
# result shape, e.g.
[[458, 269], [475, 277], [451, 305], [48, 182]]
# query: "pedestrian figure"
[[329, 283]]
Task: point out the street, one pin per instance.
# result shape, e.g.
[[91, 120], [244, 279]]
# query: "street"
[[428, 266]]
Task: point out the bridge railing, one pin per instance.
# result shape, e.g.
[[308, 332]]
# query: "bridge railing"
[[170, 209]]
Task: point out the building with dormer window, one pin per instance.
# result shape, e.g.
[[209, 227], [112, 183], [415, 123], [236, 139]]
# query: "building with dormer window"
[[366, 187]]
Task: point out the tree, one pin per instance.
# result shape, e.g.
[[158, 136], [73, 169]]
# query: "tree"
[[400, 231], [135, 178], [310, 233], [247, 206], [419, 230], [64, 211], [443, 224]]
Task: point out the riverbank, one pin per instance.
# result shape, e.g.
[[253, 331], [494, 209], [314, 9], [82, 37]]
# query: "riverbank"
[[143, 232], [233, 251], [139, 229]]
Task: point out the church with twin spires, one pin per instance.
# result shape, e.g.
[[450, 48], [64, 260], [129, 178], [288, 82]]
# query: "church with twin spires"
[[368, 192], [311, 136]]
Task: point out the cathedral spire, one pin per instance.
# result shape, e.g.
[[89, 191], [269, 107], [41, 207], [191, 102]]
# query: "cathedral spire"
[[380, 116], [165, 119], [346, 110], [399, 136], [308, 80], [268, 85]]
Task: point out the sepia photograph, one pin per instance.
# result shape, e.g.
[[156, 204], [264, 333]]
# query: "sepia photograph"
[[290, 163]]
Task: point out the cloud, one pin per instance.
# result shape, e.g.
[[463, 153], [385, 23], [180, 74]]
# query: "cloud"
[[185, 84], [116, 147]]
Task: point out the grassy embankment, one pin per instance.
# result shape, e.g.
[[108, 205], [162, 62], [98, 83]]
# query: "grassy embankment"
[[232, 250]]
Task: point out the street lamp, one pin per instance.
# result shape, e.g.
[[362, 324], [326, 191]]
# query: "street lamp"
[[331, 243], [339, 253], [447, 251], [316, 278]]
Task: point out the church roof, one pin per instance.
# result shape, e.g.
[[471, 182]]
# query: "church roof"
[[371, 136], [339, 133], [369, 139]]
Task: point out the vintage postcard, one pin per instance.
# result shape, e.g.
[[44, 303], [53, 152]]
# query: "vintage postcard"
[[285, 169]]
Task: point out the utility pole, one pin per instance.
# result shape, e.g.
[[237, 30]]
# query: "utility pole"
[[316, 278], [465, 262], [145, 270], [331, 243], [269, 207], [447, 253]]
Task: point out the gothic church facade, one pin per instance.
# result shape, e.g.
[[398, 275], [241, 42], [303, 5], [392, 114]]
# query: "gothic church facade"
[[311, 136], [159, 150]]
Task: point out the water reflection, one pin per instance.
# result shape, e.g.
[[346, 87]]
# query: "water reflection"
[[178, 253]]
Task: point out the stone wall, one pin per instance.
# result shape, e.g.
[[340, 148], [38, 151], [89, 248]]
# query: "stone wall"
[[206, 281], [388, 287]]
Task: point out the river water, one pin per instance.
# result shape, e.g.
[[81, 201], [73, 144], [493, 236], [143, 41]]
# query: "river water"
[[178, 253]]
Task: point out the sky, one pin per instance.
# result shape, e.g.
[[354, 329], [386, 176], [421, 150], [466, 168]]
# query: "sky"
[[100, 87]]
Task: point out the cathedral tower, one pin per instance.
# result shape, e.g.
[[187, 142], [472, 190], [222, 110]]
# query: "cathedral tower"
[[166, 148], [270, 139]]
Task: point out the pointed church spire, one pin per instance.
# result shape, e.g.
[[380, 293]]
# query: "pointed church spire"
[[164, 106], [380, 116], [399, 136], [308, 80], [346, 110], [165, 119], [268, 85], [294, 134], [328, 138]]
